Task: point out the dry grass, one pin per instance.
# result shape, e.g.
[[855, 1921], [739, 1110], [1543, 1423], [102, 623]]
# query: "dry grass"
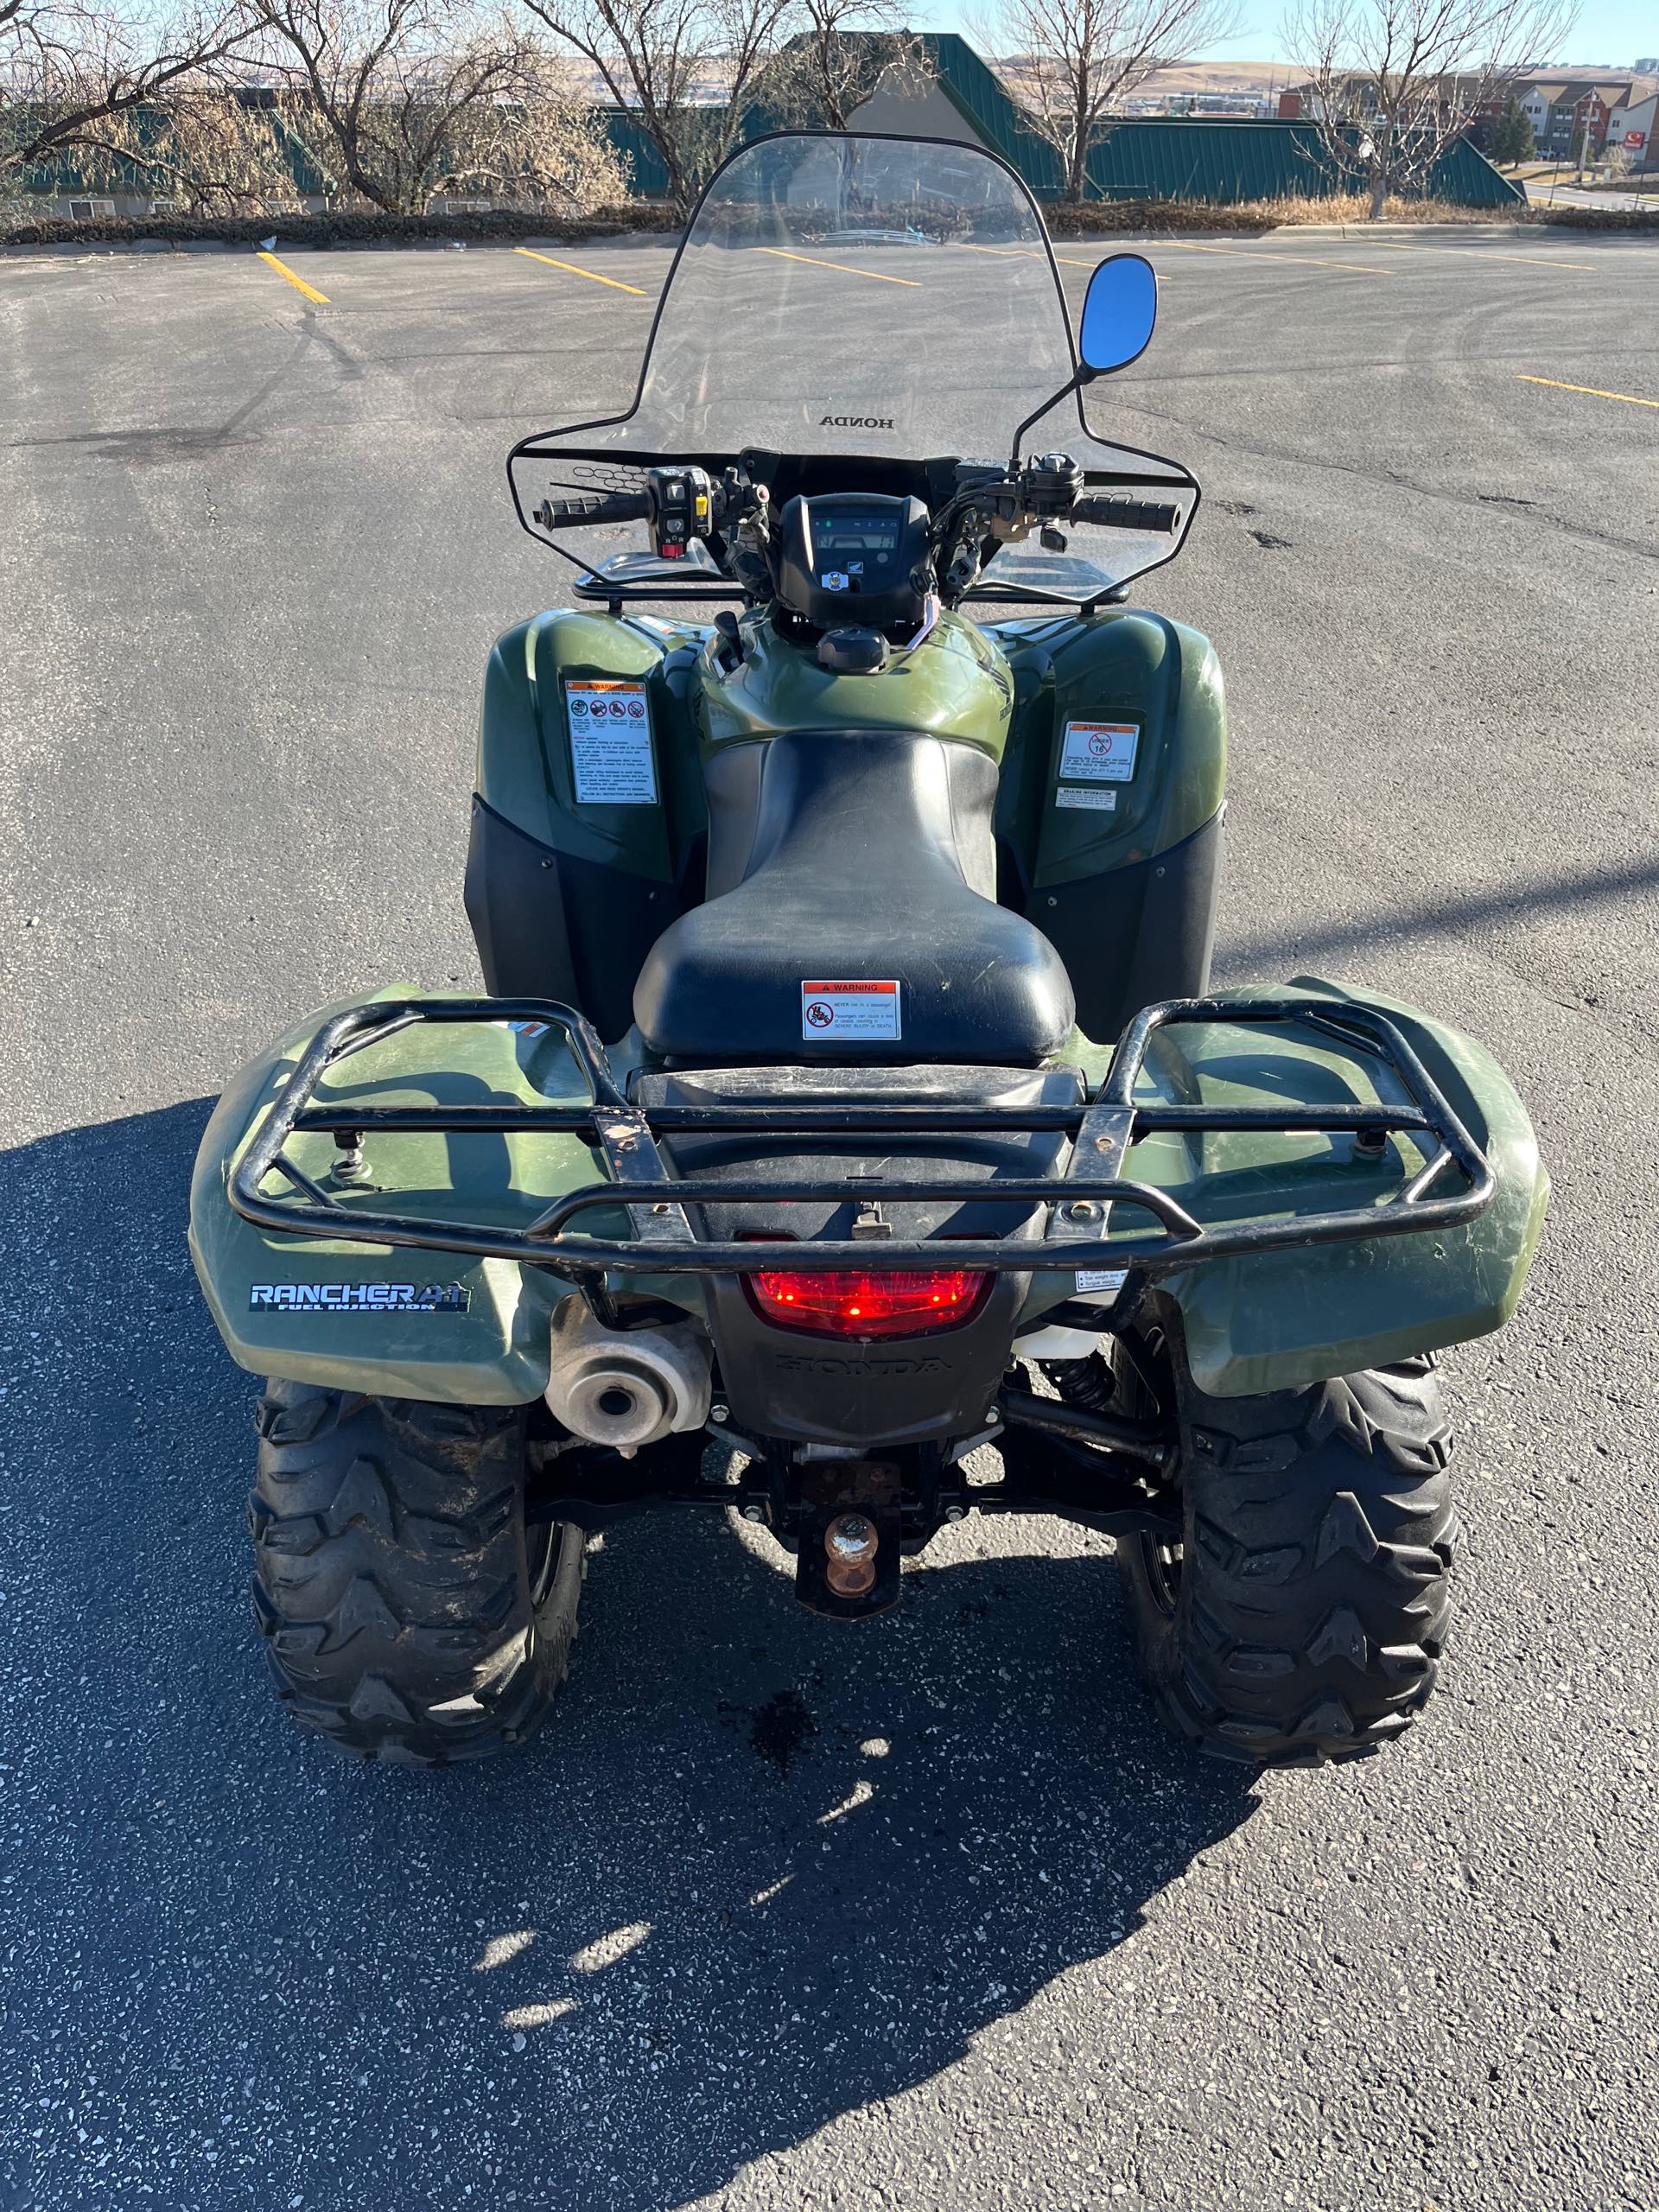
[[1258, 215], [1352, 210], [1355, 207]]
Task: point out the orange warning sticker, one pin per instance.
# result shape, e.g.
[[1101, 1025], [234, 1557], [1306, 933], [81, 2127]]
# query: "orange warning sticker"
[[610, 743]]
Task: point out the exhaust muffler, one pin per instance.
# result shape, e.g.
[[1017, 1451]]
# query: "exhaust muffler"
[[627, 1387]]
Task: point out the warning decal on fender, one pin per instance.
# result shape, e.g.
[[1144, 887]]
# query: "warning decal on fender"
[[1100, 753], [1103, 802], [610, 743], [834, 1011]]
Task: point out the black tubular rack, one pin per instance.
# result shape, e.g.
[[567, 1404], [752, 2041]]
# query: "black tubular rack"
[[664, 1240]]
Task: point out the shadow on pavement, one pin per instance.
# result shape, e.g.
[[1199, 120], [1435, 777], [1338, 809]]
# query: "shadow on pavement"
[[759, 1872], [1517, 900]]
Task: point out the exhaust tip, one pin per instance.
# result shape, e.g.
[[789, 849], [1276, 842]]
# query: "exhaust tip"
[[624, 1407], [626, 1388]]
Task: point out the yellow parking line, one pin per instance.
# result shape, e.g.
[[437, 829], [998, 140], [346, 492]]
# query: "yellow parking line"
[[1480, 253], [1313, 261], [1185, 245], [1590, 391], [841, 269], [298, 283], [1024, 253], [593, 276]]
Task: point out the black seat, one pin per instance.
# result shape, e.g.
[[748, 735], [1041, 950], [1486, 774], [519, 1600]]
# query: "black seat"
[[866, 853]]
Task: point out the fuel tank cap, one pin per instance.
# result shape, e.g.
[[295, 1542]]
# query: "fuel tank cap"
[[853, 651]]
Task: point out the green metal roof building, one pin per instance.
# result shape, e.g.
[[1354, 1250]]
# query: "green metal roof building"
[[1153, 157], [1139, 158]]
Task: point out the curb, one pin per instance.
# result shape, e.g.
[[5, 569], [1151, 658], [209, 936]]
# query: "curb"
[[1638, 224], [292, 245]]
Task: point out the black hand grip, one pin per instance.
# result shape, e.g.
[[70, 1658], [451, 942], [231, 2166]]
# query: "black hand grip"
[[1125, 514], [574, 509]]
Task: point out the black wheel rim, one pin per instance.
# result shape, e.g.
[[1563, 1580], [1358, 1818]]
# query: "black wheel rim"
[[1163, 1558], [543, 1551]]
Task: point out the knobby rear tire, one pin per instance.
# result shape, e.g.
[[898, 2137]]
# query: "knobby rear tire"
[[409, 1614], [1303, 1616]]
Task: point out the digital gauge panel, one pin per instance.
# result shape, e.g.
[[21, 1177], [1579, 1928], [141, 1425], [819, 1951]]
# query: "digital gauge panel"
[[842, 537], [854, 557]]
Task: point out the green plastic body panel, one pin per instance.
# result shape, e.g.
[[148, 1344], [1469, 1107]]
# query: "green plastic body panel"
[[496, 1352], [1121, 665], [1271, 1322], [523, 753], [1278, 1320], [1008, 689], [956, 684]]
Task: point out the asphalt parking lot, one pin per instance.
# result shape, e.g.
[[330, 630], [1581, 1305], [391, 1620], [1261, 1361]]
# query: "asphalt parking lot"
[[926, 1915]]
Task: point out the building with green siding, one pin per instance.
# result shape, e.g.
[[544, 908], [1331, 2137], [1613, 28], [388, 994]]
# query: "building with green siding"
[[1219, 161]]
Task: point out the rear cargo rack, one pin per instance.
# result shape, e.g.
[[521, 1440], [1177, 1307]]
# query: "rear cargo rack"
[[664, 1240]]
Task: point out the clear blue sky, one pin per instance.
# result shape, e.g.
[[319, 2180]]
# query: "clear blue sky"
[[1610, 32]]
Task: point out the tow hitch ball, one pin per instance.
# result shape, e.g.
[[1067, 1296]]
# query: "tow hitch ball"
[[850, 1542], [847, 1565]]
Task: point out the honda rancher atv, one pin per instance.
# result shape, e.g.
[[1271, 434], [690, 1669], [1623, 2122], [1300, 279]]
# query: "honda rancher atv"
[[850, 1140]]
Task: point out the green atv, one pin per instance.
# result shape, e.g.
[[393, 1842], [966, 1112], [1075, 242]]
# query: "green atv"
[[850, 1140]]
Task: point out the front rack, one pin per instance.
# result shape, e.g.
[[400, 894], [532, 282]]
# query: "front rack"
[[664, 1240]]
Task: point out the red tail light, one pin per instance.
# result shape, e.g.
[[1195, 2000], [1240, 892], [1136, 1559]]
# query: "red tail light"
[[850, 1304]]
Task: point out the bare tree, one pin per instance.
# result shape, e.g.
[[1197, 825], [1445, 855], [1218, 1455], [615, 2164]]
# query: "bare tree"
[[73, 71], [838, 52], [1071, 62], [1393, 84], [687, 69], [401, 99], [201, 143]]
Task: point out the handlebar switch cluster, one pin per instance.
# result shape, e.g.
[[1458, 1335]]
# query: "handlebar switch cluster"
[[1050, 485], [1041, 490], [681, 508]]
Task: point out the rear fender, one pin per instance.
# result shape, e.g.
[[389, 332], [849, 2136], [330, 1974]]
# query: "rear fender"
[[359, 1317], [1281, 1320]]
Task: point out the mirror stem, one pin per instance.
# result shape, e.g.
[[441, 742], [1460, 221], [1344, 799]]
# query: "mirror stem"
[[1073, 384]]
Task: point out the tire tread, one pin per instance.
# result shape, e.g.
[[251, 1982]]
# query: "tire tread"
[[1313, 1605], [391, 1583]]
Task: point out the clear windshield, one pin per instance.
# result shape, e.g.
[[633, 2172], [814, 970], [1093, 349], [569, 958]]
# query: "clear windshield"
[[857, 296], [837, 296]]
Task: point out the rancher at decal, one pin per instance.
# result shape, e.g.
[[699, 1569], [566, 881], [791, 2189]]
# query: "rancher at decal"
[[359, 1297]]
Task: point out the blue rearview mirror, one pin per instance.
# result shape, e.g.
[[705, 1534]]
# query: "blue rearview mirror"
[[1119, 311]]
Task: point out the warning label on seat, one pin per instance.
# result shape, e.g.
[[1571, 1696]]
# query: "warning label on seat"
[[610, 744], [840, 1010], [1099, 753]]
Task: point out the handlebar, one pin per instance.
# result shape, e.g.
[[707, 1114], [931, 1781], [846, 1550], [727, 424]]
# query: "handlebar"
[[581, 508], [1126, 514]]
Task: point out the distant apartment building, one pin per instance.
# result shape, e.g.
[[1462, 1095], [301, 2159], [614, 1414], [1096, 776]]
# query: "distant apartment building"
[[1569, 116], [1574, 116], [1635, 127], [1361, 96]]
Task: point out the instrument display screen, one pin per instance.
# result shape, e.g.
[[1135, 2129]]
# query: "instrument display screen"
[[869, 534]]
